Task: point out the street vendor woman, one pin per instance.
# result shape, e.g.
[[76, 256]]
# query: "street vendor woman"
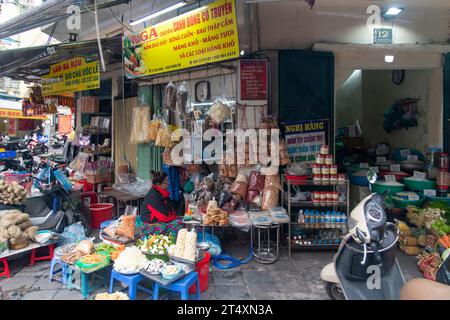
[[158, 212]]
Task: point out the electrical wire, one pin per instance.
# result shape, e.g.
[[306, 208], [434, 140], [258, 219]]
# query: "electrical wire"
[[97, 29], [123, 25]]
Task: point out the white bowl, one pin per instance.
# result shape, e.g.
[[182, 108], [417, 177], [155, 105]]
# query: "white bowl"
[[43, 237]]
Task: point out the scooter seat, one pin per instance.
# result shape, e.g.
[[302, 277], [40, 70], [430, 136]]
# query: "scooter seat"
[[35, 207]]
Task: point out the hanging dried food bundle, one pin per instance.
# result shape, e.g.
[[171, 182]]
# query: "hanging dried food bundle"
[[182, 100], [163, 138], [270, 199], [140, 129], [272, 182], [170, 96], [153, 128], [220, 111]]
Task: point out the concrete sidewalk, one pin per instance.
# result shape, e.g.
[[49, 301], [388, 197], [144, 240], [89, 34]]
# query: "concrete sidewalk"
[[298, 278]]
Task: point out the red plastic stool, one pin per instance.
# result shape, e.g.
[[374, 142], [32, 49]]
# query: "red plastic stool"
[[35, 258], [4, 271]]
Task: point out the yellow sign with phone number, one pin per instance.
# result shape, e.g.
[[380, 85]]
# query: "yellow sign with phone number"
[[201, 36], [71, 76]]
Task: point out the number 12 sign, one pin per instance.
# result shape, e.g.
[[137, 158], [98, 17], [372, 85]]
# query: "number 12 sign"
[[382, 36]]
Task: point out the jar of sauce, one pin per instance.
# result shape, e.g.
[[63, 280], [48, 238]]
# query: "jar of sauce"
[[329, 159], [334, 169], [317, 169], [320, 159], [325, 170], [324, 149]]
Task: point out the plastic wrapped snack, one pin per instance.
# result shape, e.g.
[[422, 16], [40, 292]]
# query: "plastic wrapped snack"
[[220, 111], [126, 226], [167, 158], [153, 128], [170, 96], [163, 138], [182, 99], [242, 178], [256, 181], [139, 131], [181, 240], [270, 199], [190, 245], [272, 182], [239, 188]]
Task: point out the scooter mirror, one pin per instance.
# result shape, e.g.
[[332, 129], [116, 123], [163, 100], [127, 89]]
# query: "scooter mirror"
[[372, 176]]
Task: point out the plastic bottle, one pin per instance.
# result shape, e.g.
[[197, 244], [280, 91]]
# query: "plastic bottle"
[[301, 218], [344, 224], [333, 219], [338, 220], [328, 220], [307, 219], [322, 219]]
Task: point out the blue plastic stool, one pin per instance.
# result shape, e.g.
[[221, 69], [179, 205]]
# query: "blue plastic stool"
[[63, 270], [181, 286], [88, 281], [132, 281]]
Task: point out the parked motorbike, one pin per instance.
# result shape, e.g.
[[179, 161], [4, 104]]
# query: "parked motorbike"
[[365, 266], [38, 144], [58, 141]]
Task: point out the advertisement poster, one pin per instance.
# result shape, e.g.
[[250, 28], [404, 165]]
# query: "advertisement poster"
[[64, 124], [304, 139], [26, 125], [71, 76], [204, 35], [12, 128], [253, 80]]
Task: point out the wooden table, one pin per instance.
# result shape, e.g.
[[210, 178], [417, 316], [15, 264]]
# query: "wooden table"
[[123, 197]]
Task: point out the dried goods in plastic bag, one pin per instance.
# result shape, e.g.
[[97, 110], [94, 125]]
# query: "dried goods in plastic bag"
[[153, 129], [242, 178], [167, 158], [170, 96], [139, 131], [163, 138], [272, 182], [270, 199], [220, 111], [239, 188], [126, 226], [224, 197], [257, 201], [182, 99], [251, 194], [256, 181]]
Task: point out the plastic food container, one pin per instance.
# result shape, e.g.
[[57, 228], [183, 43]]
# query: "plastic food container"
[[382, 186], [320, 159], [333, 169], [329, 159], [324, 149], [325, 170], [419, 185], [316, 169]]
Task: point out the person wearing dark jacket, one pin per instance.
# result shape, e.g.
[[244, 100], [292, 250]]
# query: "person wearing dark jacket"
[[157, 212]]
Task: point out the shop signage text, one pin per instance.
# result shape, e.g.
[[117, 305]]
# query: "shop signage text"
[[253, 80], [205, 35], [304, 139], [71, 76]]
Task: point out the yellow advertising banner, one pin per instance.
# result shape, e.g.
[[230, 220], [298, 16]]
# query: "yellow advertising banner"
[[71, 76], [17, 114], [201, 36]]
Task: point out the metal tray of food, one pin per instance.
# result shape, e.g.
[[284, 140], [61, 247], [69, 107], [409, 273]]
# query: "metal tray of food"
[[118, 240], [160, 279], [200, 254]]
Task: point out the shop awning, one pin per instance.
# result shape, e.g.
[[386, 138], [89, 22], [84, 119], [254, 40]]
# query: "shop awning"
[[30, 64], [17, 114]]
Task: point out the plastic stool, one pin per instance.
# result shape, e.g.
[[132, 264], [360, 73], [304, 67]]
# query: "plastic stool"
[[181, 286], [84, 286], [35, 258], [4, 271], [63, 270], [131, 280]]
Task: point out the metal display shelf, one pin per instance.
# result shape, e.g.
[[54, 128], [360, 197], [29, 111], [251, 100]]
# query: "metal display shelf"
[[310, 205]]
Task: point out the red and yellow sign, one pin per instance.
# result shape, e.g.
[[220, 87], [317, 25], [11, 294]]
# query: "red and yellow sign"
[[17, 114], [204, 35], [71, 76]]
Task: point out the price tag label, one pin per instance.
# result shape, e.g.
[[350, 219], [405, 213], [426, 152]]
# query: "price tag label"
[[390, 178], [405, 152], [395, 167], [375, 169], [381, 159], [364, 165], [413, 197], [419, 175], [412, 158], [429, 193]]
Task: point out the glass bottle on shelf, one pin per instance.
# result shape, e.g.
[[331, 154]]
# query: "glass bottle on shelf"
[[301, 218], [328, 220], [333, 220], [322, 219], [307, 219]]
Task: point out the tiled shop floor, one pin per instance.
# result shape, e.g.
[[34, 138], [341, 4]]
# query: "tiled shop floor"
[[296, 278]]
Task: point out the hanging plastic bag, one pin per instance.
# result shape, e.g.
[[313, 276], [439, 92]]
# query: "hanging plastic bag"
[[224, 197], [256, 181], [270, 199], [182, 99], [153, 128], [139, 131], [170, 97], [163, 138], [220, 111]]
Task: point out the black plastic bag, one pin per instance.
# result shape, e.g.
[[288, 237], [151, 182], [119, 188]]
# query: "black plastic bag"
[[224, 197]]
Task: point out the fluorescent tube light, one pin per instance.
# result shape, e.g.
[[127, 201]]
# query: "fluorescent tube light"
[[393, 12], [389, 59], [158, 13]]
